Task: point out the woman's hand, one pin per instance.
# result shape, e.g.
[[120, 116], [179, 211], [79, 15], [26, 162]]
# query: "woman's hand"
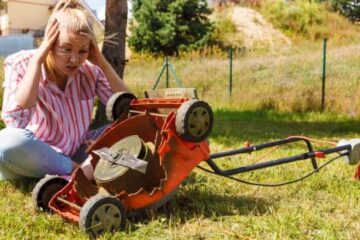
[[27, 91], [51, 34], [95, 55]]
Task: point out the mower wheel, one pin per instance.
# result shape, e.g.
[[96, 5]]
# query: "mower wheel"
[[194, 120], [45, 189], [118, 104], [100, 214]]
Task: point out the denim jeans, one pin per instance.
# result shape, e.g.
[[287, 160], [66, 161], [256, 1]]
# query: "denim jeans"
[[22, 155]]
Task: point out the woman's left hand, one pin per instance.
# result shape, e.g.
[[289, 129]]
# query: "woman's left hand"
[[95, 55]]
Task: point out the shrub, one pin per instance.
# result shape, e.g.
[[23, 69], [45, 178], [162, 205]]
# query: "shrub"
[[349, 8], [225, 34], [297, 17], [167, 27]]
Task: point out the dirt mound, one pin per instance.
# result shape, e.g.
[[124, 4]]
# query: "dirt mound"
[[255, 30]]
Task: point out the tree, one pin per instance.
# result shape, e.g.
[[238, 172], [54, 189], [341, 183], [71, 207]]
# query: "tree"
[[168, 26], [350, 8], [115, 27]]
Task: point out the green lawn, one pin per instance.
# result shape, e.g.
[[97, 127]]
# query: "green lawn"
[[325, 206], [288, 79], [271, 93]]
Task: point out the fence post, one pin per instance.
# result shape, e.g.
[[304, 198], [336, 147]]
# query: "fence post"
[[167, 71], [164, 68], [230, 70], [323, 76], [159, 77]]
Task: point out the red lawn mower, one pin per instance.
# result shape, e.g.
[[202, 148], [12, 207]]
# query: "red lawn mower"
[[152, 145]]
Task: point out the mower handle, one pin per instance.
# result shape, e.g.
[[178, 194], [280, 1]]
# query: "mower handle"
[[311, 154]]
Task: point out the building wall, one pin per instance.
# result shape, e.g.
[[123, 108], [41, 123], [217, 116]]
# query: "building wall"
[[30, 16], [4, 24], [37, 11]]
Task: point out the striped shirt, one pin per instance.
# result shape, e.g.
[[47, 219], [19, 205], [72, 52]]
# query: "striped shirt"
[[60, 119]]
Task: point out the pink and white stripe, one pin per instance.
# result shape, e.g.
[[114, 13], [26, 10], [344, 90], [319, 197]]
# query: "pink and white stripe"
[[60, 119]]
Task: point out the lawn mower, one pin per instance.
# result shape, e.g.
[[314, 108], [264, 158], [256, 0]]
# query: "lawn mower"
[[151, 146]]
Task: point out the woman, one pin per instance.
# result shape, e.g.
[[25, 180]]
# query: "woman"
[[49, 95]]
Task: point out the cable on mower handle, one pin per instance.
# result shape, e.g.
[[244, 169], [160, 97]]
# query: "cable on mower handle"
[[311, 154], [277, 184]]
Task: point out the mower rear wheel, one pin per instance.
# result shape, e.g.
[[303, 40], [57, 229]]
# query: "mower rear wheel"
[[194, 120], [102, 213], [45, 189], [118, 104]]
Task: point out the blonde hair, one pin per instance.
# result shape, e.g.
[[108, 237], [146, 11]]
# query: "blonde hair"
[[72, 16]]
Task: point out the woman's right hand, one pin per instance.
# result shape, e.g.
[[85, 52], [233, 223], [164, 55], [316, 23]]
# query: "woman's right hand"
[[51, 34], [27, 90]]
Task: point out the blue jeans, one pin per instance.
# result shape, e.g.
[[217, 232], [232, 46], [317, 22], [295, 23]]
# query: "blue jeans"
[[22, 155]]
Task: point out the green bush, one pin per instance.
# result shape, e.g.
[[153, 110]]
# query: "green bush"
[[297, 17], [349, 8], [225, 34], [169, 26]]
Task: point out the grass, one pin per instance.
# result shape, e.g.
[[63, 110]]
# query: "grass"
[[325, 206], [307, 20], [225, 31], [287, 79], [298, 17], [276, 94]]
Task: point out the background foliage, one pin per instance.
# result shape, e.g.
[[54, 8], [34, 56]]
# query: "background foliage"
[[297, 17], [167, 27], [276, 94], [349, 8]]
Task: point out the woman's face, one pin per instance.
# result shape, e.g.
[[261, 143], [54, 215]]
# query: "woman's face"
[[70, 50]]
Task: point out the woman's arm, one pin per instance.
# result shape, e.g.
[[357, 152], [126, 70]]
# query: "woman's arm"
[[96, 57], [27, 91], [116, 83]]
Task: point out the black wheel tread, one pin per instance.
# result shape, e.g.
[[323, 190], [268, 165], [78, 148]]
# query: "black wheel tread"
[[90, 206], [116, 97], [109, 106], [39, 189], [181, 120]]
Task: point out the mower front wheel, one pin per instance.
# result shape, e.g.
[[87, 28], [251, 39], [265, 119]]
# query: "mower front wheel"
[[100, 214], [118, 104], [194, 120], [45, 189]]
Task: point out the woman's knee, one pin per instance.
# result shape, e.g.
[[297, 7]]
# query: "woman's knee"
[[14, 148], [13, 139], [26, 155]]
